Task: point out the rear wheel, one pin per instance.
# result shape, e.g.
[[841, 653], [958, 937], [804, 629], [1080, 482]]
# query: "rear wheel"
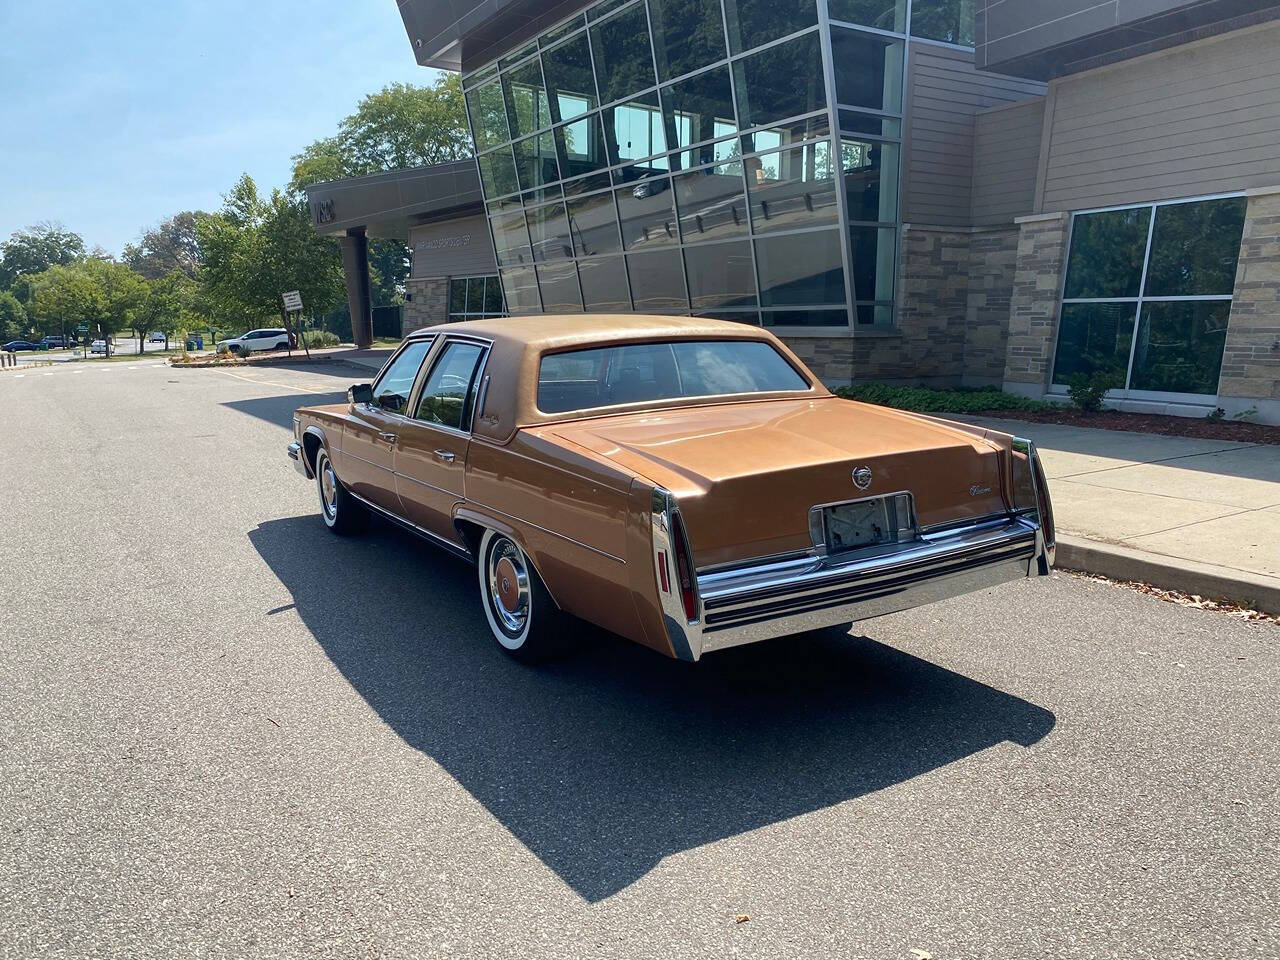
[[522, 616], [342, 513]]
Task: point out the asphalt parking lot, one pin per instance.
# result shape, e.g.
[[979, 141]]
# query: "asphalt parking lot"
[[225, 732]]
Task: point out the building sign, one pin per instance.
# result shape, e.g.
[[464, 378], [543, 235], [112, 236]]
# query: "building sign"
[[445, 243], [324, 210]]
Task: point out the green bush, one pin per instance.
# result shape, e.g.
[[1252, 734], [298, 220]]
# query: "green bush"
[[321, 338], [926, 400], [1087, 390]]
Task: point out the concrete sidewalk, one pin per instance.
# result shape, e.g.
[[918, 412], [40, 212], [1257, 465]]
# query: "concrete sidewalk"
[[1199, 515]]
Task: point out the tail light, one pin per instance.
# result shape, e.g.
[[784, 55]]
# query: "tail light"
[[673, 559], [684, 567]]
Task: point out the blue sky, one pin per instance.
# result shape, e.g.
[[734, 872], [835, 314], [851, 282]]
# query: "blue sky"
[[115, 115]]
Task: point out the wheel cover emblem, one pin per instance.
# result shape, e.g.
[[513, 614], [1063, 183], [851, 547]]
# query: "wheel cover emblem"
[[509, 593]]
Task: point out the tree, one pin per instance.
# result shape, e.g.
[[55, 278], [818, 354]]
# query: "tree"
[[255, 249], [173, 245], [102, 294], [35, 250], [13, 318], [170, 306]]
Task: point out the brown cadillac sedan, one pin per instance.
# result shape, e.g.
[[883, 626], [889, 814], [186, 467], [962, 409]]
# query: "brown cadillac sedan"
[[685, 483]]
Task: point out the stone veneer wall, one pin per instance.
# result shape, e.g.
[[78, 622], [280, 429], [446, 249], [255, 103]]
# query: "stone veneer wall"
[[427, 305], [1033, 304], [1251, 359], [954, 293]]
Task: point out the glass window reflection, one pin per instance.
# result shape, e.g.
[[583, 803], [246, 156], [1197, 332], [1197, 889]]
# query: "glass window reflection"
[[535, 159], [488, 115], [604, 285], [792, 188], [870, 179], [754, 22], [873, 252], [645, 214], [800, 269], [698, 109], [520, 284], [657, 280], [1194, 248], [687, 34], [558, 284], [868, 69], [881, 14], [780, 82], [950, 21], [549, 232], [571, 88], [510, 238], [1180, 344], [720, 275], [498, 173], [593, 225], [624, 62], [1107, 250], [634, 131], [711, 202], [527, 107]]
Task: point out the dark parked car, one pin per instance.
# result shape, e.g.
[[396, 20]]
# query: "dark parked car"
[[15, 345], [55, 343]]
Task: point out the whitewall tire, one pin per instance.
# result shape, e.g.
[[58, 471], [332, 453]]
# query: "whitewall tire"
[[522, 617]]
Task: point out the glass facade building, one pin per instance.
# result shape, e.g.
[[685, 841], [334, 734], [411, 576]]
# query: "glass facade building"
[[728, 158]]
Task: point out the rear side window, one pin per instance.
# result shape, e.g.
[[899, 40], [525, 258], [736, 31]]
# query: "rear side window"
[[643, 372], [392, 389]]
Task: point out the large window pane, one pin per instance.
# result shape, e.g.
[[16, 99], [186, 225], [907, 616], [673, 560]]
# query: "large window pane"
[[475, 294], [785, 134], [800, 269], [521, 287], [582, 150], [870, 179], [792, 188], [488, 115], [687, 34], [720, 275], [868, 70], [805, 318], [570, 85], [1180, 345], [698, 109], [458, 296], [604, 285], [948, 20], [549, 232], [624, 62], [593, 224], [558, 283], [634, 131], [869, 124], [536, 161], [492, 295], [646, 215], [498, 173], [1194, 247], [510, 238], [711, 202], [881, 14], [1093, 337], [527, 107], [874, 251], [781, 82], [1106, 255], [753, 22], [657, 280]]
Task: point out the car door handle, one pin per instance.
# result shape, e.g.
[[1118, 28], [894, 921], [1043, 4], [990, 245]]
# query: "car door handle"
[[389, 437], [446, 455]]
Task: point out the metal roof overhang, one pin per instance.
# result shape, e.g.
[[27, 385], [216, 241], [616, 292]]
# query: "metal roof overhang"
[[388, 204], [465, 34]]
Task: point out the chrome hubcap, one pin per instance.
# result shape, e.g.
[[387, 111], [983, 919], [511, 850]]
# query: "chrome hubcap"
[[508, 579], [328, 488]]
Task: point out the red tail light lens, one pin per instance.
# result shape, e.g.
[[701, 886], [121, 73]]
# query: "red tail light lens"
[[684, 567]]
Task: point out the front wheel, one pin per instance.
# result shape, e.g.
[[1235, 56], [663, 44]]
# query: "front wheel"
[[342, 513], [522, 616]]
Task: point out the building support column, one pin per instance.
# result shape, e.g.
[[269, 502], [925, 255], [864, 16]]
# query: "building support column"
[[1035, 301], [355, 264], [1250, 376]]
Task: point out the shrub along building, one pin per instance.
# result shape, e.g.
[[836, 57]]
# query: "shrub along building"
[[937, 191]]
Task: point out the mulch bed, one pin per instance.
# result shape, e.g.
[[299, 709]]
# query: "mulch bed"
[[1197, 427]]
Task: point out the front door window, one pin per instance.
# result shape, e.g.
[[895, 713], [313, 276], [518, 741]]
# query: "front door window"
[[391, 392], [1147, 295]]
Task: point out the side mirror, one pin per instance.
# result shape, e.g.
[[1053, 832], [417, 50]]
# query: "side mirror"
[[360, 393]]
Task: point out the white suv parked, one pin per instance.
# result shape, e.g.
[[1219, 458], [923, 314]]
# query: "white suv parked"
[[272, 338]]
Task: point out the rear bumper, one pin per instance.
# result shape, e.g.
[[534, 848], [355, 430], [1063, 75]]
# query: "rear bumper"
[[747, 604]]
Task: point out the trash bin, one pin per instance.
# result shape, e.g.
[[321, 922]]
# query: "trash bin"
[[195, 343]]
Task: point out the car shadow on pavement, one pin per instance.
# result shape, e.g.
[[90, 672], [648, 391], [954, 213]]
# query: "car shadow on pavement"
[[279, 410], [611, 759]]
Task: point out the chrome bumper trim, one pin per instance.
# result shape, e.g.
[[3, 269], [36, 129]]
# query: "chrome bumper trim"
[[750, 603], [299, 461]]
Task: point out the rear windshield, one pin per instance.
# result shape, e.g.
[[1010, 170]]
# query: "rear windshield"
[[642, 372]]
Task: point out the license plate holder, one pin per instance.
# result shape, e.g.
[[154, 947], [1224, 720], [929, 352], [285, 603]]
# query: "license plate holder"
[[858, 524]]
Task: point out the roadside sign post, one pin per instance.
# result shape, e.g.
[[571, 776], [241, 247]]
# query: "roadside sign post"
[[82, 330], [293, 310]]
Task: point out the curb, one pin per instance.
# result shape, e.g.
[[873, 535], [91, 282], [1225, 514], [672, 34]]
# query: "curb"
[[1249, 590]]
